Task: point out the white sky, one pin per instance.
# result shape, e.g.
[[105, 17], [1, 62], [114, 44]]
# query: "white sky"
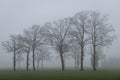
[[15, 15]]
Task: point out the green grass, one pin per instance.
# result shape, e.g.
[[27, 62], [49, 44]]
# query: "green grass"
[[59, 75]]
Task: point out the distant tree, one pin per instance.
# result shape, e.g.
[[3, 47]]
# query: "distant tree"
[[75, 54], [111, 63], [19, 59], [42, 54], [26, 48], [58, 36], [79, 25], [13, 45], [99, 56], [35, 38], [100, 32]]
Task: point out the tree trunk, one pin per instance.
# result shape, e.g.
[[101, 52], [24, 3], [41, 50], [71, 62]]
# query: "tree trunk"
[[33, 60], [76, 62], [19, 64], [38, 63], [27, 62], [62, 61], [94, 57], [14, 61], [82, 55], [42, 64]]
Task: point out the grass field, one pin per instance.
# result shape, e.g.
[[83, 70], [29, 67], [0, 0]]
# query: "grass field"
[[59, 75]]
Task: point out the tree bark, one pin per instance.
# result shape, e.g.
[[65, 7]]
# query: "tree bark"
[[14, 61], [82, 55], [94, 58], [34, 60], [27, 62], [62, 61], [94, 48]]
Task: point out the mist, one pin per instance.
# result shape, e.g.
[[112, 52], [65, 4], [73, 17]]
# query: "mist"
[[17, 15]]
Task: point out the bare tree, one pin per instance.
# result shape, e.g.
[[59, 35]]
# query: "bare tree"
[[26, 48], [58, 36], [79, 24], [19, 59], [75, 54], [99, 56], [13, 45], [100, 32], [35, 37], [42, 55]]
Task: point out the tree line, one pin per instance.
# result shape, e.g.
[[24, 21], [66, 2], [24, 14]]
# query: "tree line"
[[70, 35]]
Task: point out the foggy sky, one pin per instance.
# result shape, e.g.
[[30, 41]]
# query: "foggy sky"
[[16, 15]]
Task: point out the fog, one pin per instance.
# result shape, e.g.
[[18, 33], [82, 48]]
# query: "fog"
[[17, 15]]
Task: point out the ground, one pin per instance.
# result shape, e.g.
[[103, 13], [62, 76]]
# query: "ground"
[[59, 75]]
